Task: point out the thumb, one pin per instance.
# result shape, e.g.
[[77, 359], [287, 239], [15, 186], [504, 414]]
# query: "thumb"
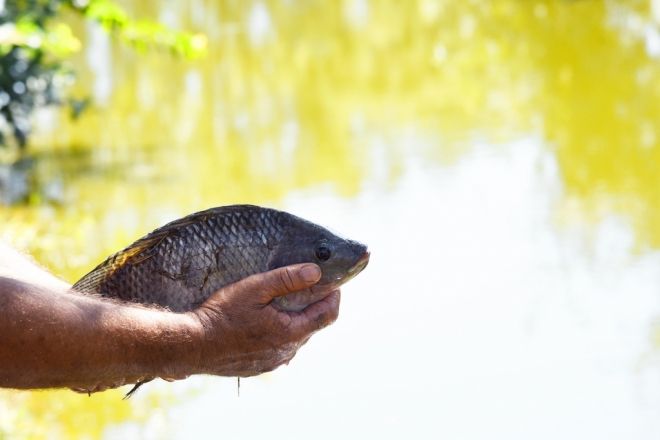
[[279, 282]]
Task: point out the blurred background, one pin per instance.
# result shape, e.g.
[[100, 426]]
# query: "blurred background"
[[501, 159]]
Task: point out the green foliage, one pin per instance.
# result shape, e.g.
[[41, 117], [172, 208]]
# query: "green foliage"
[[34, 42], [143, 34]]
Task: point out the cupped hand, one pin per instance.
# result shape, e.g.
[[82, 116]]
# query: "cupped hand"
[[243, 334]]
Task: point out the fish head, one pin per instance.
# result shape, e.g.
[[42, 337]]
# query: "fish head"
[[340, 259]]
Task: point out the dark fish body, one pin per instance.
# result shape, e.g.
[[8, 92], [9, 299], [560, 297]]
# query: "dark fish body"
[[181, 264]]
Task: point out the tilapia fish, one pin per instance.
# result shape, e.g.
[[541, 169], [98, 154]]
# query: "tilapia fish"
[[179, 265]]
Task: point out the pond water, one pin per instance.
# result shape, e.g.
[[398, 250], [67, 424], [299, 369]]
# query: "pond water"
[[499, 159]]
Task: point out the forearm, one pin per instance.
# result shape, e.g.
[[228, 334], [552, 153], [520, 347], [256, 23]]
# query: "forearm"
[[50, 338]]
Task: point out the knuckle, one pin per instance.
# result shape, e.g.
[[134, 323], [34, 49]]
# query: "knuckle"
[[334, 314], [285, 321], [322, 320], [287, 279], [325, 319]]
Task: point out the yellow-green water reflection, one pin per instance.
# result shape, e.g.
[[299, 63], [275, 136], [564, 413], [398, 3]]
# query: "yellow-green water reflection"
[[63, 414], [299, 95]]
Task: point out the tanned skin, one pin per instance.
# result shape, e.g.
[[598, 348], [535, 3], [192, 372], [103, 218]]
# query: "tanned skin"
[[51, 337]]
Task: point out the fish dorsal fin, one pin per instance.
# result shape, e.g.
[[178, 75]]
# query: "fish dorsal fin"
[[134, 254]]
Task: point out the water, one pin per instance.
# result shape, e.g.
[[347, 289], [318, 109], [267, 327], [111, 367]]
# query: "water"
[[499, 159]]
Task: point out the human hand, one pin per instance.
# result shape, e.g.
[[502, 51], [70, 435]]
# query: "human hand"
[[242, 334]]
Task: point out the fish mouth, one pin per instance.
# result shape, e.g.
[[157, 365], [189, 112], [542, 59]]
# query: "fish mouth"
[[360, 264], [351, 273], [354, 270]]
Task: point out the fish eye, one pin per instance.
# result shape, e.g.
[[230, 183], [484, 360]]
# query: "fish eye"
[[323, 253]]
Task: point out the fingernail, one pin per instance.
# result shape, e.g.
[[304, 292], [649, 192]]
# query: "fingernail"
[[310, 273]]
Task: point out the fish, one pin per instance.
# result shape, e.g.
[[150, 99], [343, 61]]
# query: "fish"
[[179, 265]]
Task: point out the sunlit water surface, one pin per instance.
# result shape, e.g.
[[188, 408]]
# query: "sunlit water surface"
[[499, 159]]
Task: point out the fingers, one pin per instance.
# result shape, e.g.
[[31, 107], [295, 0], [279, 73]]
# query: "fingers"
[[317, 316], [279, 282]]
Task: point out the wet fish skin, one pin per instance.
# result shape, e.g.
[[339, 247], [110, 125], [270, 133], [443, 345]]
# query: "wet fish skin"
[[179, 265]]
